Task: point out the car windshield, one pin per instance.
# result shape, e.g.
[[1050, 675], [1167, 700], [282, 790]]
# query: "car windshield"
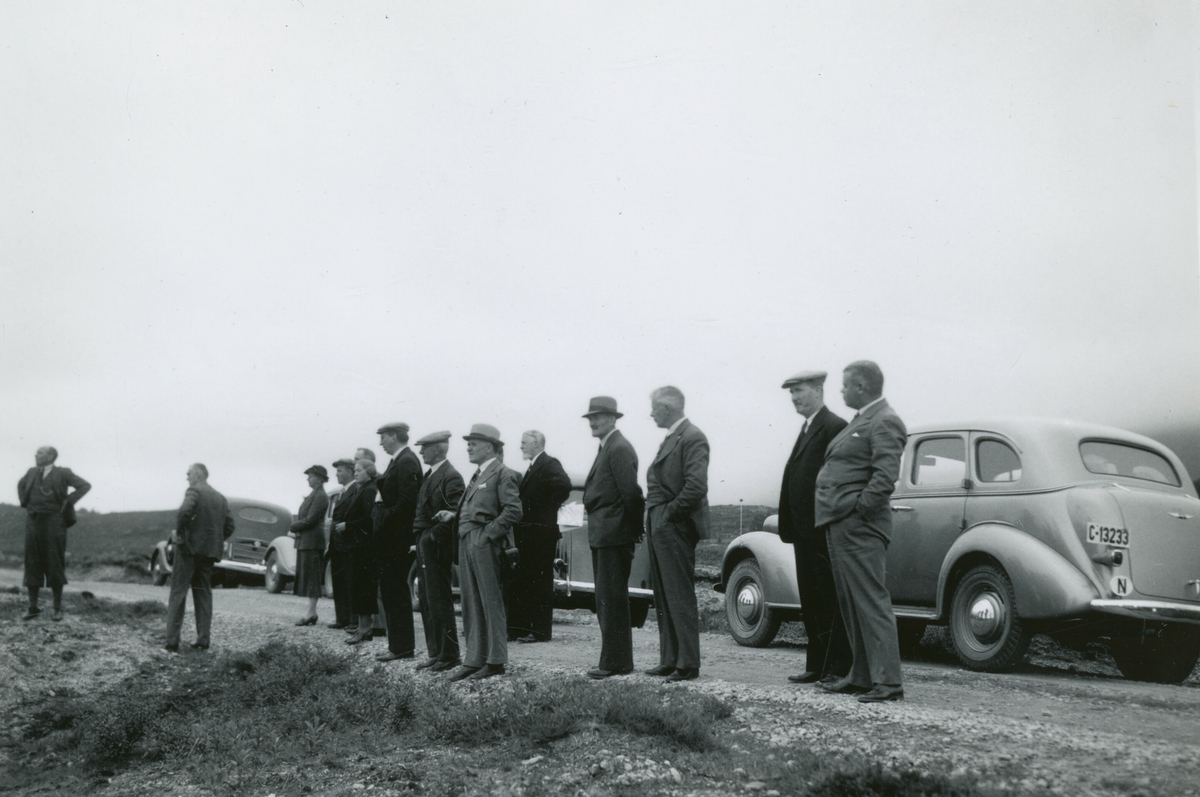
[[1116, 459]]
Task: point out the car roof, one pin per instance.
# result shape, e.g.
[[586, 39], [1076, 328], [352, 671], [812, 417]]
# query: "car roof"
[[1049, 447]]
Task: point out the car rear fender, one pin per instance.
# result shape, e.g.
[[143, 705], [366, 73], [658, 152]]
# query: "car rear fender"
[[776, 563], [1047, 586], [284, 548]]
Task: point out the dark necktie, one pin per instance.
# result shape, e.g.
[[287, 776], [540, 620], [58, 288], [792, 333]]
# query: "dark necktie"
[[804, 429]]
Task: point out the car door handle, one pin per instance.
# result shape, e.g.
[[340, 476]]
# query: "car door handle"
[[899, 508]]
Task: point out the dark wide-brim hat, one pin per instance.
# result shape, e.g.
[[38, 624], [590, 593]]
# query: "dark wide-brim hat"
[[603, 405], [805, 376], [484, 432], [318, 471]]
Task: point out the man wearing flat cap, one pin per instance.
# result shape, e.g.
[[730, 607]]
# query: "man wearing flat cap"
[[395, 510], [828, 653], [441, 491], [336, 549], [48, 495], [614, 503], [489, 508]]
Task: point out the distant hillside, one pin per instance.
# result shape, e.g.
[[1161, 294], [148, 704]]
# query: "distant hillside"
[[724, 520], [111, 537]]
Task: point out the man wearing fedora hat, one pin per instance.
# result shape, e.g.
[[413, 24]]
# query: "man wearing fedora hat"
[[489, 508], [309, 530], [827, 655], [441, 491], [393, 538], [614, 503]]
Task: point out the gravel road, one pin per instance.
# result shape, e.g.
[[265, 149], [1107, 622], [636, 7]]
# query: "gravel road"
[[1049, 730]]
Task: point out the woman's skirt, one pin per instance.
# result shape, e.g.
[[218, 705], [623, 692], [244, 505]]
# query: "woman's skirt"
[[310, 572], [363, 587]]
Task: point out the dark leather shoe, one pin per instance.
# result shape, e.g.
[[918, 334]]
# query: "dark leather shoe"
[[379, 631], [357, 638], [425, 665], [661, 670], [463, 672], [352, 629], [57, 614], [32, 613], [843, 686], [172, 647], [336, 625], [830, 679], [199, 646], [442, 666], [528, 640], [599, 674], [806, 677], [389, 655], [307, 621], [684, 674], [487, 671], [881, 693]]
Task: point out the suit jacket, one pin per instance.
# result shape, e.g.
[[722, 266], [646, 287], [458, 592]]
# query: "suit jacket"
[[341, 505], [862, 465], [492, 503], [612, 496], [678, 479], [309, 525], [442, 489], [797, 496], [544, 488], [49, 494], [356, 507], [204, 521], [398, 488]]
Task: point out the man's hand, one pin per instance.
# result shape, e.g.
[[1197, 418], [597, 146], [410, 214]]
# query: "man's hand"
[[444, 516], [340, 527], [175, 538]]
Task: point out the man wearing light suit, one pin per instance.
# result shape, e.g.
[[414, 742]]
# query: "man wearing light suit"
[[614, 504], [862, 465], [489, 508], [677, 500], [441, 491], [828, 652]]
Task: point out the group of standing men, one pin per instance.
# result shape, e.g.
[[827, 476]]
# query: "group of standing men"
[[501, 529]]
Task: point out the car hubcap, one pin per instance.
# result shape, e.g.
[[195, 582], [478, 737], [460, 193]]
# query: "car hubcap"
[[987, 616], [749, 604]]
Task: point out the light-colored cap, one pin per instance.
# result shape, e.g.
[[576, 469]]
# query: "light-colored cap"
[[806, 376], [484, 432], [434, 437]]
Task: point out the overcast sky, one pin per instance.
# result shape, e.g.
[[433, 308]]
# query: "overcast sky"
[[248, 234]]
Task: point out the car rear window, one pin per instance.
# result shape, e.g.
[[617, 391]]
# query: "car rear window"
[[257, 514], [996, 462], [940, 461], [1116, 459]]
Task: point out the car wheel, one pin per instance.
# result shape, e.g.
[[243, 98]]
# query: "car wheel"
[[1162, 653], [272, 578], [910, 633], [414, 586], [158, 571], [988, 635], [638, 610], [751, 622]]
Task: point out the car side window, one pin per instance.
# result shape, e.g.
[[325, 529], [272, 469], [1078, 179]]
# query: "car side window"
[[996, 462], [940, 461]]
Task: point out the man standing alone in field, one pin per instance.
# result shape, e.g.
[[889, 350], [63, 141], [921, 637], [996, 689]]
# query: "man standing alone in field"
[[50, 508], [201, 528]]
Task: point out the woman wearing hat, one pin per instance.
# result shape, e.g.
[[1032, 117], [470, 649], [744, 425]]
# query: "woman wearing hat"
[[309, 531]]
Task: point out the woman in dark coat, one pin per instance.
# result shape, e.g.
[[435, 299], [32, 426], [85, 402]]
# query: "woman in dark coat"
[[309, 531], [354, 534]]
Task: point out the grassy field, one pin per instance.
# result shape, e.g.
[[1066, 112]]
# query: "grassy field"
[[124, 539]]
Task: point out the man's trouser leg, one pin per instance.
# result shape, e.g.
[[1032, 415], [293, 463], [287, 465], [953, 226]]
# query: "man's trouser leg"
[[339, 574], [437, 599], [828, 651], [181, 581], [394, 565], [858, 556], [610, 567], [672, 577], [202, 602], [489, 627]]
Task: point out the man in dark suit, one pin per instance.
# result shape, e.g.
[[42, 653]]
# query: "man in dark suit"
[[828, 656], [441, 491], [489, 508], [677, 518], [201, 528], [544, 488], [46, 497], [337, 551], [614, 503], [862, 465], [393, 538]]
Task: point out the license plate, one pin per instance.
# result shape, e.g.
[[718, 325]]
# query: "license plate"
[[1107, 535]]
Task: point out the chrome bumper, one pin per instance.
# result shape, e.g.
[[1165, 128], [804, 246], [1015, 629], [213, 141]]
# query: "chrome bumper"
[[241, 567], [1149, 610]]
